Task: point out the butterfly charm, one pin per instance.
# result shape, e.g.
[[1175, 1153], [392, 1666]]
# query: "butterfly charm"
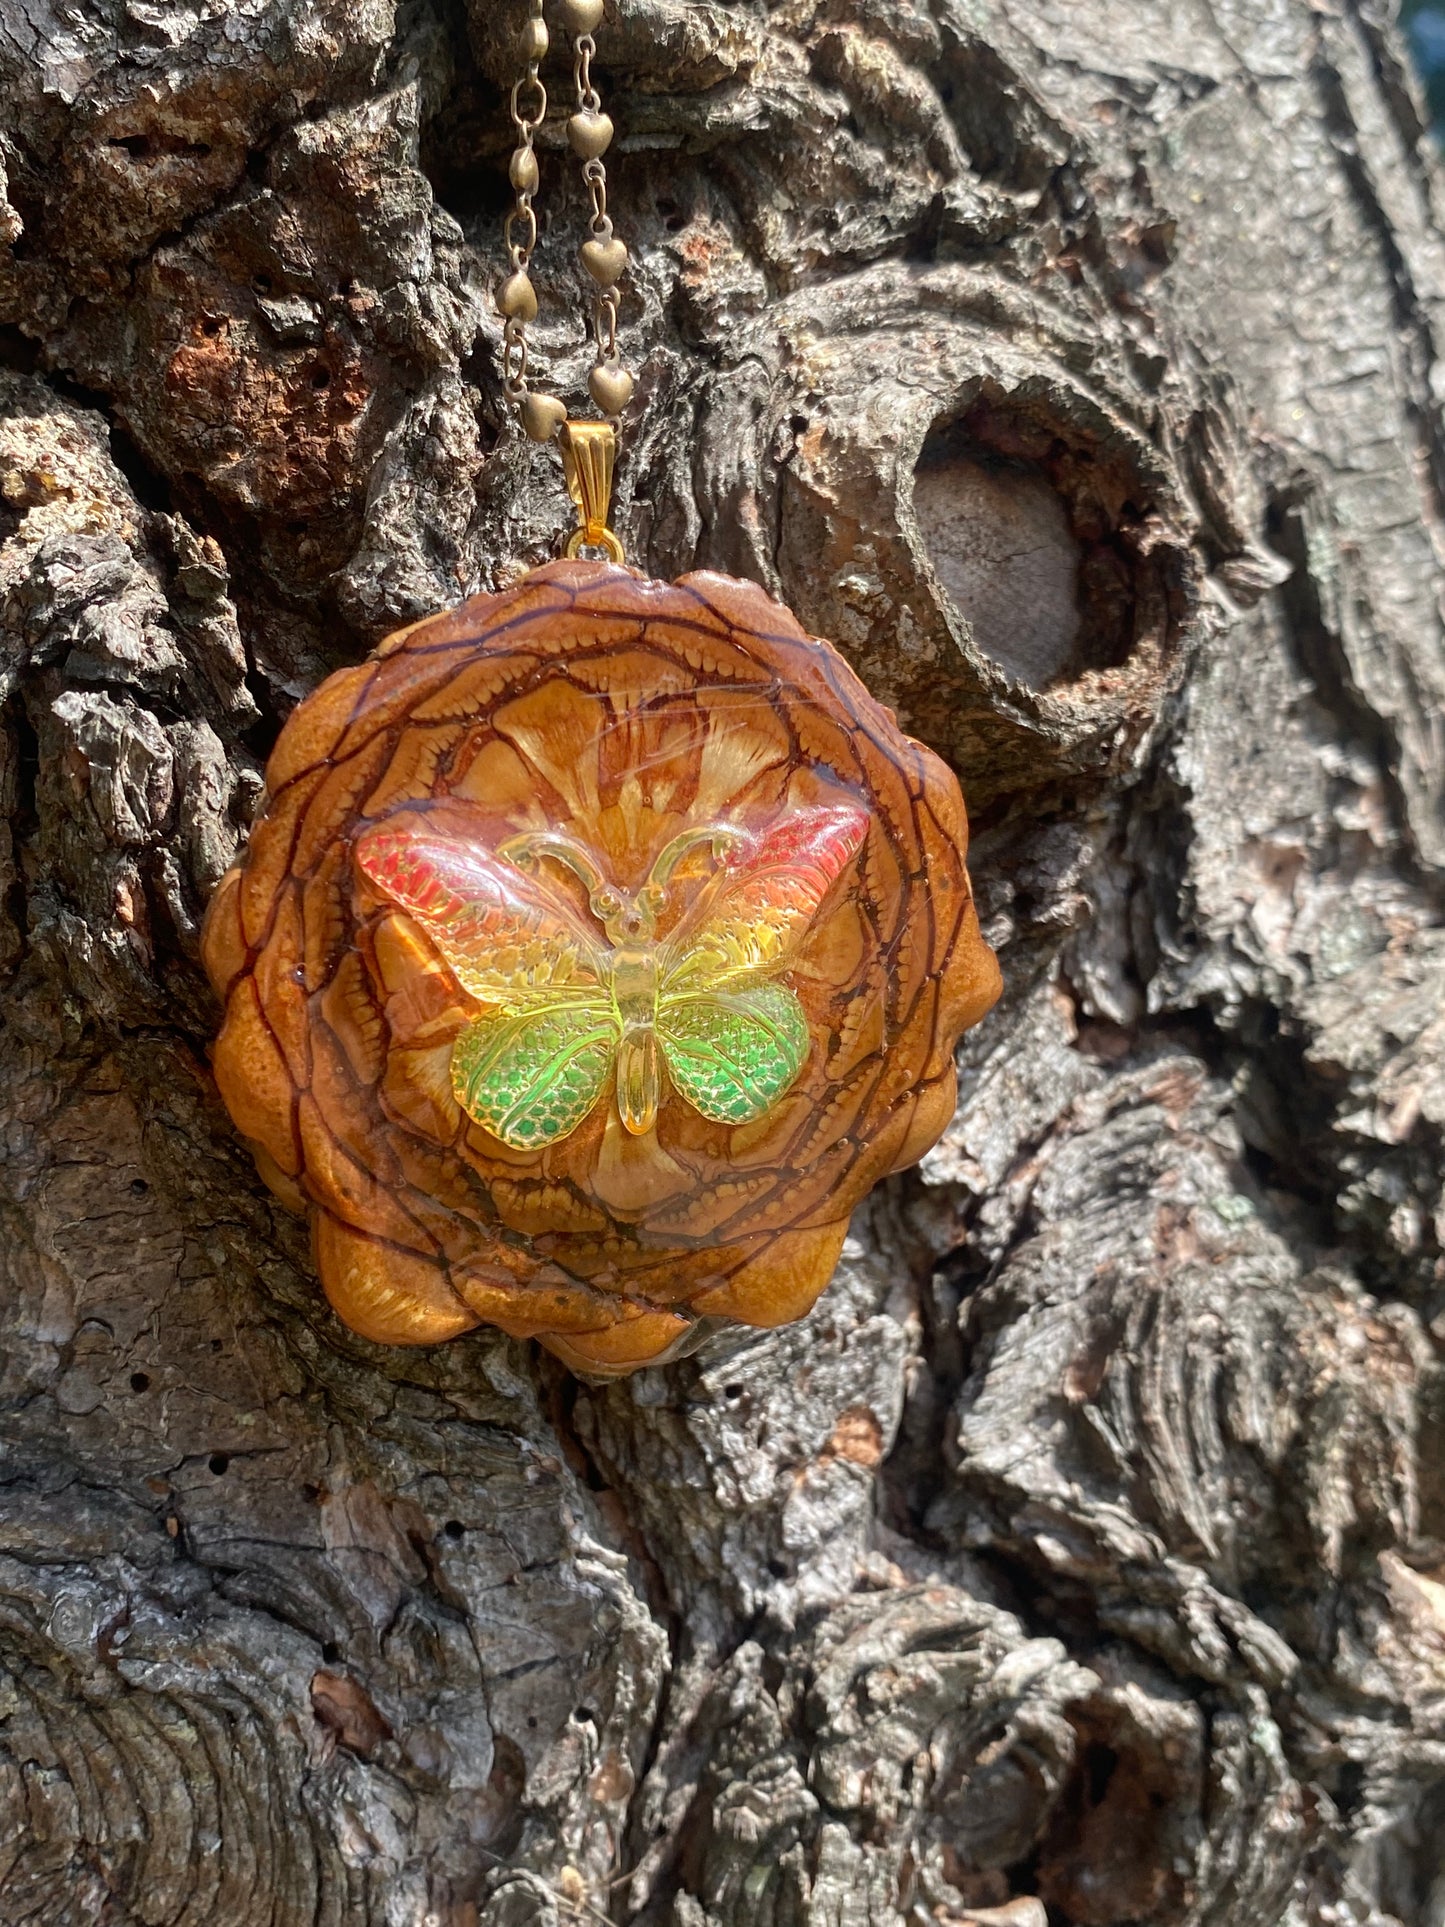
[[566, 1006]]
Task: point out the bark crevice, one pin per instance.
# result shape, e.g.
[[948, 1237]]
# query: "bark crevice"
[[1079, 1558]]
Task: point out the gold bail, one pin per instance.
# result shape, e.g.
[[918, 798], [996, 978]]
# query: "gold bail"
[[589, 455]]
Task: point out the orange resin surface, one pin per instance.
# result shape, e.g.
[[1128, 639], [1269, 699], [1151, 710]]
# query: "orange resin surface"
[[600, 945]]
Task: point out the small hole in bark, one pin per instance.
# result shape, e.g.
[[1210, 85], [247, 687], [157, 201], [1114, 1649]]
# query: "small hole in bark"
[[454, 1528], [780, 1569], [1105, 1856], [219, 1462], [261, 284], [1034, 531], [999, 537], [321, 378], [310, 1493], [212, 326], [150, 486], [215, 1344], [144, 147], [140, 1381], [532, 1720], [17, 351], [330, 1651], [732, 1391], [584, 1716], [1099, 1764], [1349, 1788], [138, 1187]]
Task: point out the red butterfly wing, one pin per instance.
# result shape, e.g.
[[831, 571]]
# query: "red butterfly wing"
[[756, 914], [509, 937]]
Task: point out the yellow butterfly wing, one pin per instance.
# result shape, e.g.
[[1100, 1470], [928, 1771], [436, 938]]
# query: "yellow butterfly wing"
[[734, 1041]]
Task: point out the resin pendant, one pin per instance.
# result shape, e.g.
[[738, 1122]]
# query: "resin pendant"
[[599, 945]]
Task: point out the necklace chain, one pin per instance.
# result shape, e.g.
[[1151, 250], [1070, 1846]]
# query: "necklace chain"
[[589, 134]]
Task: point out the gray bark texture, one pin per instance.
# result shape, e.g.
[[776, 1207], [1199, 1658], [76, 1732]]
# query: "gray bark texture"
[[1075, 365]]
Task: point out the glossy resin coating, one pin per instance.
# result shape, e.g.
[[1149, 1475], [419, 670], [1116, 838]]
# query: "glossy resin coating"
[[600, 944]]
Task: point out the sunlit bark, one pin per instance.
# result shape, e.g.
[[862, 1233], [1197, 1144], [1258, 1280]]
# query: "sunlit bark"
[[1074, 368]]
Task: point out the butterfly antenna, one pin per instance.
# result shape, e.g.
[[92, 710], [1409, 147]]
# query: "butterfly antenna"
[[605, 902], [723, 837], [527, 851]]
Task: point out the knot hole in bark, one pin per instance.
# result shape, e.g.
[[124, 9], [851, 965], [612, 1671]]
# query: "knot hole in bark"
[[1023, 526], [1109, 1854]]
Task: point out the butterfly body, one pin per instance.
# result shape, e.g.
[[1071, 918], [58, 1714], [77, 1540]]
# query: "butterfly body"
[[565, 1008]]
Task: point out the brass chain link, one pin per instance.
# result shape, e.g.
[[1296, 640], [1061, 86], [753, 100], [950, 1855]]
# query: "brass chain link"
[[604, 257]]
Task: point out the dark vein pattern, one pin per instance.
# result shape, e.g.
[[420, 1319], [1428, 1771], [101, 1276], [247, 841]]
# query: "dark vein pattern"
[[622, 712]]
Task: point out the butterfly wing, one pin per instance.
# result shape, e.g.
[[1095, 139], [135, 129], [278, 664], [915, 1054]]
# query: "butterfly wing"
[[531, 1076], [753, 917], [732, 1057], [529, 1069], [509, 937]]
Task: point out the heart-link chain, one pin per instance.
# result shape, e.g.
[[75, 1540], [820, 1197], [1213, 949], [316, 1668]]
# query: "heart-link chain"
[[588, 448]]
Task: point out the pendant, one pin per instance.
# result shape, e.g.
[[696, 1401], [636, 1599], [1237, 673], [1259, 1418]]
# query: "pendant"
[[599, 945]]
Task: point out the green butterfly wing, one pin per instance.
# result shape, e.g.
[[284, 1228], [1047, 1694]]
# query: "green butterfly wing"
[[733, 1056], [531, 1076]]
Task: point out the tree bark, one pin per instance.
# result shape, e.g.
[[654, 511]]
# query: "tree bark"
[[1082, 1557]]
